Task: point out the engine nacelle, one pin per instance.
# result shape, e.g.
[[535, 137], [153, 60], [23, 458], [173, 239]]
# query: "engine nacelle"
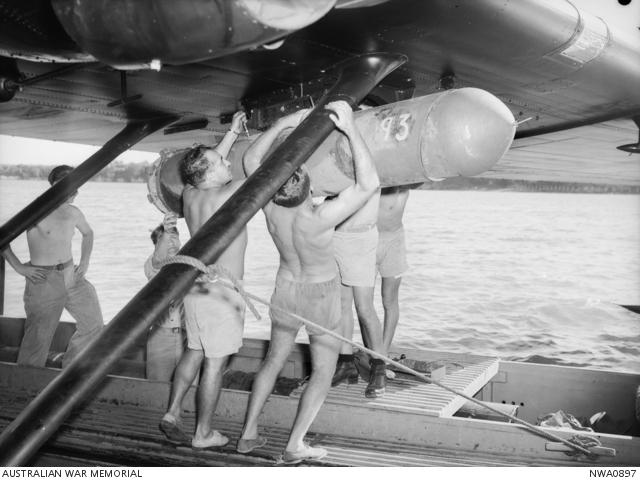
[[138, 33], [454, 133]]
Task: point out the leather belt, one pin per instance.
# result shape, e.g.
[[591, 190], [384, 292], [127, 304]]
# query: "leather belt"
[[57, 267], [174, 330]]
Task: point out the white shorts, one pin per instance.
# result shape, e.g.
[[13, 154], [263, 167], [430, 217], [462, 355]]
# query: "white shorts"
[[355, 254]]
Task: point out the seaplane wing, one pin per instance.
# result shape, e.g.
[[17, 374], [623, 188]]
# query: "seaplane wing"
[[77, 70], [579, 155]]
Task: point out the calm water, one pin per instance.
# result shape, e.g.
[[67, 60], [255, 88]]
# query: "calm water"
[[517, 275]]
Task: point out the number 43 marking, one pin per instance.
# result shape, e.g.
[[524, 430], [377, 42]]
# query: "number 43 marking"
[[401, 132]]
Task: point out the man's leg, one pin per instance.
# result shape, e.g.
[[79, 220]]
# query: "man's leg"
[[346, 369], [372, 337], [346, 317], [43, 304], [390, 288], [369, 322], [164, 350], [208, 395], [282, 340], [82, 303], [185, 373], [324, 353]]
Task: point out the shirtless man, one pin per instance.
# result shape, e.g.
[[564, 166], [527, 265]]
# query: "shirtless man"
[[391, 257], [53, 283], [307, 281], [214, 314], [355, 243], [391, 262]]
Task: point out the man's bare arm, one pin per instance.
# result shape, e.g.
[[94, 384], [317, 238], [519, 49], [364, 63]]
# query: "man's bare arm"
[[237, 124], [367, 183], [168, 244], [259, 148], [87, 243], [30, 272]]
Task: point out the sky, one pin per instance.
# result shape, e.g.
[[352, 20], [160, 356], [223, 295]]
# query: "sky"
[[21, 150], [14, 150]]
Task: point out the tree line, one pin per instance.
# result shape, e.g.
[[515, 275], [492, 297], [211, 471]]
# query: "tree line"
[[115, 172]]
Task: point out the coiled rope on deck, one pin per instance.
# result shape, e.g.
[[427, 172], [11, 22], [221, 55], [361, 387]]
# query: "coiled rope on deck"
[[215, 272]]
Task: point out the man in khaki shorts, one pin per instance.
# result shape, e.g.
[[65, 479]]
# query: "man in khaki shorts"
[[214, 315], [391, 262], [355, 245], [391, 256], [307, 281]]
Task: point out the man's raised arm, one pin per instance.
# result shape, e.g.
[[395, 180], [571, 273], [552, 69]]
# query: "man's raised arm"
[[259, 148], [237, 124], [351, 199]]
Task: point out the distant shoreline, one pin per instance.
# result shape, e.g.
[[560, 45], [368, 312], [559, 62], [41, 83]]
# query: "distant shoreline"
[[139, 172], [475, 183]]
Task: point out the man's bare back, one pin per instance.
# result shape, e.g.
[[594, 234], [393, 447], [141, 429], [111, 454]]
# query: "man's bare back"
[[305, 251], [307, 281]]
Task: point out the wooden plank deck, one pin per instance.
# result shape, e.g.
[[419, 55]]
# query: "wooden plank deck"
[[410, 426], [412, 395], [103, 433], [119, 427]]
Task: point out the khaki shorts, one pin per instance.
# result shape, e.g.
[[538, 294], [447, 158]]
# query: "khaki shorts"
[[214, 319], [355, 254], [391, 257], [318, 302]]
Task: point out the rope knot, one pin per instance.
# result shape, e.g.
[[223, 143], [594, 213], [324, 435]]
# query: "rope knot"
[[214, 273], [586, 442]]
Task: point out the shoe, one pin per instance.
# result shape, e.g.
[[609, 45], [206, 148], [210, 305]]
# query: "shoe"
[[245, 446], [377, 380], [345, 371], [307, 453], [172, 429], [216, 440], [361, 361]]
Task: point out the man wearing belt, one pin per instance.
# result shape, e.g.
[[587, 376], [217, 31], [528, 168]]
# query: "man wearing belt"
[[54, 284], [166, 339]]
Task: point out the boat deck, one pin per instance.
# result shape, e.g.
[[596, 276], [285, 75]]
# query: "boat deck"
[[466, 374], [103, 433], [120, 425]]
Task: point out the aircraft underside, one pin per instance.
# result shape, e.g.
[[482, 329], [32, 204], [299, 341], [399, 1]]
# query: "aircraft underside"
[[554, 66], [479, 71]]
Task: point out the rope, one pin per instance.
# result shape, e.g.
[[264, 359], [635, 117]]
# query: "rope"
[[586, 442], [214, 273], [217, 270]]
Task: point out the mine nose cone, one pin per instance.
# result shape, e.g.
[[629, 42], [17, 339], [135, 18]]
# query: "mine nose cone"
[[287, 14], [467, 132]]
